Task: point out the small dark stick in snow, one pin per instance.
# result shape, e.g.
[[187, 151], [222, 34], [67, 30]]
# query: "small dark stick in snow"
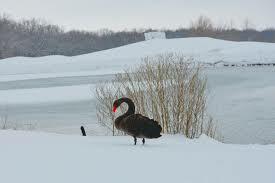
[[83, 131]]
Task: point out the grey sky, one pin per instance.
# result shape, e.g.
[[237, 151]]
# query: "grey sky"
[[127, 14]]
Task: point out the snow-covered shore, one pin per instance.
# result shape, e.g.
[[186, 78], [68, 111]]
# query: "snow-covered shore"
[[40, 157]]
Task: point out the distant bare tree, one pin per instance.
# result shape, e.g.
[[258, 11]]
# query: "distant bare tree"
[[203, 25], [247, 24]]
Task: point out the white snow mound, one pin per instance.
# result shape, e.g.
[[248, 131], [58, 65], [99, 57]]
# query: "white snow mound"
[[206, 50], [40, 157]]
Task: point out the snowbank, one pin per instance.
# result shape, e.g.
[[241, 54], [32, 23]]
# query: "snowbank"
[[111, 61], [40, 157]]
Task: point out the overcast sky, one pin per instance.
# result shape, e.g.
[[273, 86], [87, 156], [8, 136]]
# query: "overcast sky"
[[127, 14]]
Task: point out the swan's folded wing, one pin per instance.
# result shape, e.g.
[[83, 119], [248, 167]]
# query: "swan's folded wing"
[[142, 126]]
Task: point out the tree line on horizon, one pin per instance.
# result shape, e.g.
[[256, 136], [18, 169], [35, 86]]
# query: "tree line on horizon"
[[33, 38]]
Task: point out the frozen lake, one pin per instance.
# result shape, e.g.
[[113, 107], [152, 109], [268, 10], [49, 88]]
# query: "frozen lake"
[[241, 100]]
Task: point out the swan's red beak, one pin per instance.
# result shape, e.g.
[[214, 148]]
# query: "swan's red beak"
[[114, 108]]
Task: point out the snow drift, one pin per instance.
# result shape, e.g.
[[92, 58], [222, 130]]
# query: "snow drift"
[[39, 157], [206, 50]]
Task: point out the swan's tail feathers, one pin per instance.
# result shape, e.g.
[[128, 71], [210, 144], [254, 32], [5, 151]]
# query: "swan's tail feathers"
[[152, 130]]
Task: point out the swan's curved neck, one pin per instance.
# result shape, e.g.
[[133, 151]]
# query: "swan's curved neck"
[[130, 111], [131, 107]]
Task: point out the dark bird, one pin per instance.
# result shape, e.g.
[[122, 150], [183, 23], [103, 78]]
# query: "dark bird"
[[136, 125]]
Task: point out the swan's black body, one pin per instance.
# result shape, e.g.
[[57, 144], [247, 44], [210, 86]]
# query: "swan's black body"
[[136, 125]]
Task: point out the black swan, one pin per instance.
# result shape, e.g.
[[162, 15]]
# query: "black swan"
[[136, 125]]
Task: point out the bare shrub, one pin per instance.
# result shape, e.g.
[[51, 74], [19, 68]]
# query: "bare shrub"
[[168, 88], [6, 124]]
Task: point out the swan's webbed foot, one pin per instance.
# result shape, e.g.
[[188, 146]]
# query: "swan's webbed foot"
[[135, 139], [143, 141]]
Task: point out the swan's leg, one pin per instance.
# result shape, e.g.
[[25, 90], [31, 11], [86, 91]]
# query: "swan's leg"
[[135, 140], [143, 141]]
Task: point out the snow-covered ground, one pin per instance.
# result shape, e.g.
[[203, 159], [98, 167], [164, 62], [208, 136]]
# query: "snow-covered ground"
[[206, 50], [38, 157], [56, 93]]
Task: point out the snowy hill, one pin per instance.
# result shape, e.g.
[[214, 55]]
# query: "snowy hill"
[[40, 157], [206, 50]]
